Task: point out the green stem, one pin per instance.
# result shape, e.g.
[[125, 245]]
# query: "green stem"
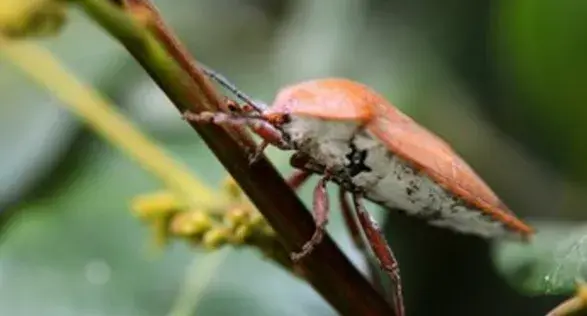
[[40, 65]]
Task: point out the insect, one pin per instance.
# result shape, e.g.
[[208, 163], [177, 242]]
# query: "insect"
[[351, 135]]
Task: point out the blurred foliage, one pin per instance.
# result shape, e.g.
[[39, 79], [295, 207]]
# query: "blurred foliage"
[[76, 249], [45, 130], [554, 263], [32, 17], [542, 50]]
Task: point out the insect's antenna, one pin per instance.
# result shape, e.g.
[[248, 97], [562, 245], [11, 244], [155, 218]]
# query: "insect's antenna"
[[231, 87]]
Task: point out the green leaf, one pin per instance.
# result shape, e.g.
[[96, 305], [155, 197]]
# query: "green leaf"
[[551, 264]]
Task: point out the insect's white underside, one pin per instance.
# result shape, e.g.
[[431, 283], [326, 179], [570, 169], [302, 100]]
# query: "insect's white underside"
[[391, 182]]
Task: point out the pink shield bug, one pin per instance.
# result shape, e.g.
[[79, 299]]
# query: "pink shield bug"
[[354, 137]]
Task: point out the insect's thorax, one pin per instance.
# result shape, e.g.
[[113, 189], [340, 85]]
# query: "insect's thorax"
[[361, 161]]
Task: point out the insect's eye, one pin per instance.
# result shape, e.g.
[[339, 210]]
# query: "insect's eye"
[[285, 118], [278, 119], [232, 106]]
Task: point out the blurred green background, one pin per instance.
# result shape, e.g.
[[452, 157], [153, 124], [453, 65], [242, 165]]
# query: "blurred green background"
[[500, 80]]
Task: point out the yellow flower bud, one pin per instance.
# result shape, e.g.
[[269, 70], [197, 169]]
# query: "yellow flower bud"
[[268, 231], [241, 233], [190, 223], [232, 189], [216, 237], [155, 205], [20, 18], [257, 219], [236, 216]]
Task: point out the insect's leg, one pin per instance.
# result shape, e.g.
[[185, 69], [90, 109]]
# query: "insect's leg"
[[298, 178], [382, 252], [349, 219], [269, 137], [320, 210], [355, 232], [256, 154], [300, 160], [269, 134]]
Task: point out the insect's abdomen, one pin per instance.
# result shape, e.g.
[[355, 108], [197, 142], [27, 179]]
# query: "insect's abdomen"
[[393, 183], [385, 178]]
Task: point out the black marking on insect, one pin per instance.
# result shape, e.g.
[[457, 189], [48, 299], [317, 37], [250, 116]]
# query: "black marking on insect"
[[356, 160], [430, 214], [409, 191], [414, 186]]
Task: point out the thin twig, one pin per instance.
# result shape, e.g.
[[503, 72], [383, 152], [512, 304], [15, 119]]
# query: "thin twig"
[[327, 269], [568, 307], [573, 305]]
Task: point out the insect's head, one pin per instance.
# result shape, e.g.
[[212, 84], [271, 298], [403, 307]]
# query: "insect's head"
[[252, 109], [276, 119]]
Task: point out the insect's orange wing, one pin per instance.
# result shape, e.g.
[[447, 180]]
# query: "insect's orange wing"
[[331, 99], [431, 155]]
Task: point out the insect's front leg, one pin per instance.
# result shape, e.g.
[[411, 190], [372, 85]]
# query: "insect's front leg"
[[320, 210], [298, 178], [269, 134], [382, 252], [305, 167]]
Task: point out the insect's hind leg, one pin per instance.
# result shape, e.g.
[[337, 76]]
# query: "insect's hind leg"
[[382, 252], [357, 238], [349, 219]]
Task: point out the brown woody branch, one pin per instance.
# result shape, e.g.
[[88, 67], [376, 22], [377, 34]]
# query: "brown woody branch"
[[171, 67]]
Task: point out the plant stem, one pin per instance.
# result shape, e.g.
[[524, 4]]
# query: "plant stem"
[[327, 269], [569, 307], [40, 65]]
